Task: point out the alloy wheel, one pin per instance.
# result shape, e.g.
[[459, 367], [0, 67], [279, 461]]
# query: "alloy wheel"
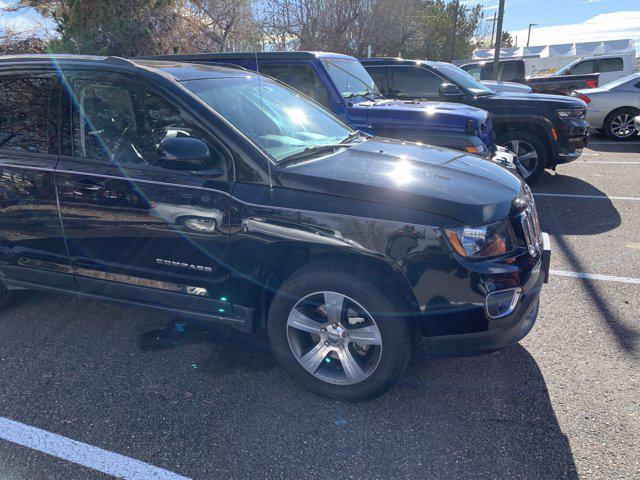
[[622, 126], [334, 338], [526, 156]]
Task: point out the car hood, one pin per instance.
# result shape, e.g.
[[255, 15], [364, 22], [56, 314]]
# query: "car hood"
[[449, 116], [465, 188], [511, 98]]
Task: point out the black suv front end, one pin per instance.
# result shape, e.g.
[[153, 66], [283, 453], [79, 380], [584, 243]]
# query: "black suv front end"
[[479, 306], [570, 134]]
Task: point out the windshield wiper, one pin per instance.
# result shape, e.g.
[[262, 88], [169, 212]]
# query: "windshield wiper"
[[312, 151], [365, 94], [353, 136]]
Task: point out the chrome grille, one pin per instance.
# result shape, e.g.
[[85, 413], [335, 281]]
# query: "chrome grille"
[[531, 225]]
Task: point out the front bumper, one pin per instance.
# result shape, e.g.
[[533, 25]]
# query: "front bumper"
[[504, 331]]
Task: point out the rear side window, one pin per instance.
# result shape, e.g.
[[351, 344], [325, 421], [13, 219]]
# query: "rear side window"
[[300, 77], [412, 82], [25, 121], [583, 68], [611, 64], [508, 72]]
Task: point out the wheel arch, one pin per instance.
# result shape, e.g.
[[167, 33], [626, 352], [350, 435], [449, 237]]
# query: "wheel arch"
[[538, 126], [284, 261]]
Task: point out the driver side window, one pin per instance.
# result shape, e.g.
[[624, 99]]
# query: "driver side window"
[[119, 120]]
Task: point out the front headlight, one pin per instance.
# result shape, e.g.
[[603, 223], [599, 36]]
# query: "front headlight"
[[572, 113], [484, 241]]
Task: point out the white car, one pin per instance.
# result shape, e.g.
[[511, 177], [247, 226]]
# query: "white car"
[[612, 107]]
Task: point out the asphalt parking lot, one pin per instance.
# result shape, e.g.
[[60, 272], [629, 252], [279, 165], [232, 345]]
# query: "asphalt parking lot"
[[149, 398]]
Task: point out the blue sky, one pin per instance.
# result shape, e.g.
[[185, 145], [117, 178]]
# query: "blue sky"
[[574, 20], [518, 13]]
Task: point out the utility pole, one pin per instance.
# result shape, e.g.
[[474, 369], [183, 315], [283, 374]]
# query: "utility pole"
[[493, 28], [529, 34], [496, 50]]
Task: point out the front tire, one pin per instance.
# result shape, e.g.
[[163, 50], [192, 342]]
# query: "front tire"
[[339, 335], [619, 124], [530, 151]]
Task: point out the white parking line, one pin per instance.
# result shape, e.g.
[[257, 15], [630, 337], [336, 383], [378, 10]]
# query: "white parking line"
[[595, 276], [604, 162], [597, 197], [81, 453]]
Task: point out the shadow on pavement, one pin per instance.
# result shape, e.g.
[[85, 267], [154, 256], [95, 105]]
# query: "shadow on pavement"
[[604, 145], [566, 216], [573, 216], [481, 417]]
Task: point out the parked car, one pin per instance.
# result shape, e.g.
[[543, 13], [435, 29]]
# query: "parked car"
[[611, 108], [342, 85], [515, 71], [498, 86], [542, 130], [343, 246], [608, 67]]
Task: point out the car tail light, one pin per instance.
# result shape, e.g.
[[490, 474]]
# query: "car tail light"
[[591, 83], [584, 98]]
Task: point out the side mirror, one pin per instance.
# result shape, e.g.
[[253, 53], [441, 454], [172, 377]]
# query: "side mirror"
[[183, 153], [449, 90]]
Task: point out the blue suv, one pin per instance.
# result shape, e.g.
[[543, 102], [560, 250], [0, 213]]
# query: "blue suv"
[[342, 85]]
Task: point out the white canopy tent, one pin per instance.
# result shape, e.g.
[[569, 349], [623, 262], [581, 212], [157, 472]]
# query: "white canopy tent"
[[568, 50]]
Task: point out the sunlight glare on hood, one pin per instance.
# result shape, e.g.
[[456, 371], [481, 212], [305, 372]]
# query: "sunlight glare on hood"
[[401, 173]]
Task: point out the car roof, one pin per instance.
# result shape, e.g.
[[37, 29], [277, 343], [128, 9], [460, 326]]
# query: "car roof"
[[176, 70], [195, 57], [401, 61]]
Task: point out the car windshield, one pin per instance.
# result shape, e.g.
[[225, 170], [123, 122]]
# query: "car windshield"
[[464, 80], [279, 120], [350, 77]]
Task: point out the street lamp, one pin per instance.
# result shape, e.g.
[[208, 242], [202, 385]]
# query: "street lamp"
[[529, 34]]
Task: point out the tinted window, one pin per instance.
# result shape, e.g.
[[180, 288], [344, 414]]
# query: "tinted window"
[[415, 82], [24, 114], [122, 121], [611, 64], [300, 77], [377, 73], [508, 72], [277, 119], [583, 68]]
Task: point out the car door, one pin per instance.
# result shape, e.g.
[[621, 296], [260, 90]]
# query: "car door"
[[136, 230], [414, 83], [610, 69], [31, 239]]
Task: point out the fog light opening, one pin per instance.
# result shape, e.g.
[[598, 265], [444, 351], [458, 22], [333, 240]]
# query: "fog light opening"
[[502, 303]]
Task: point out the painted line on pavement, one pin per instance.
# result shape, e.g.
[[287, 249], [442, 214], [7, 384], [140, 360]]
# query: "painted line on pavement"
[[81, 453], [604, 162], [597, 197], [595, 276]]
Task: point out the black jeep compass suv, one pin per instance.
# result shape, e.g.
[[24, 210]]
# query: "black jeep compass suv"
[[222, 195]]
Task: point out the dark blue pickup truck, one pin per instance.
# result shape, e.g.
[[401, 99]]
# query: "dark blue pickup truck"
[[342, 85]]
